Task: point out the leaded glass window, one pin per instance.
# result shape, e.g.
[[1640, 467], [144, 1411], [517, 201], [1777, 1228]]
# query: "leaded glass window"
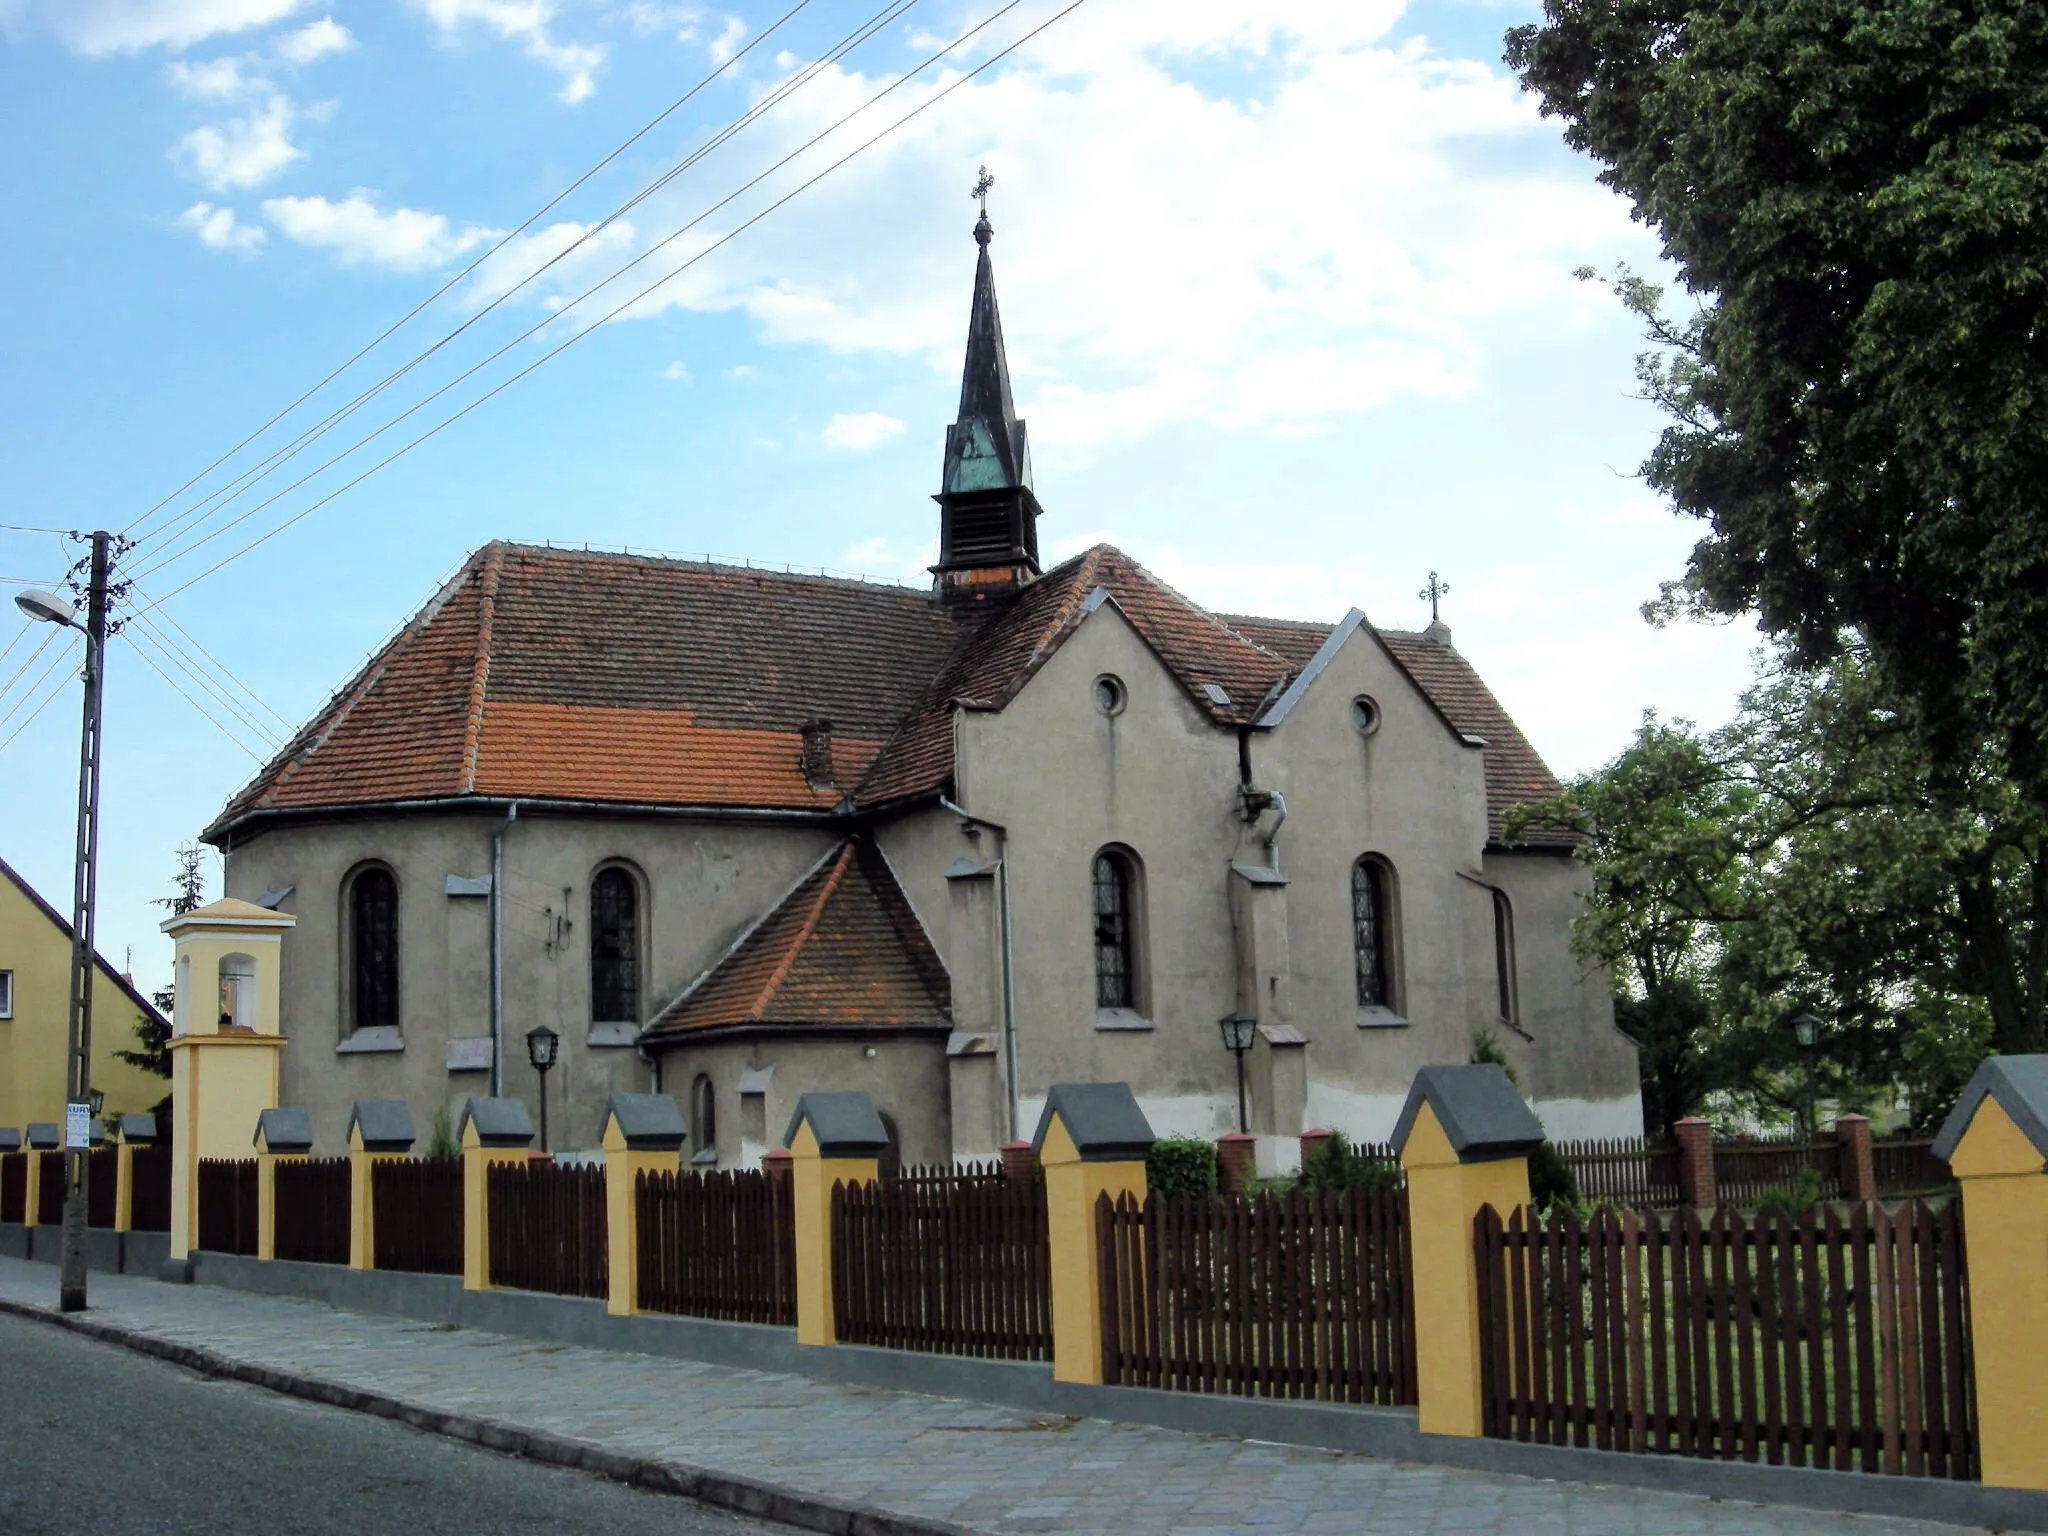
[[1114, 956], [1371, 938], [373, 950], [614, 948]]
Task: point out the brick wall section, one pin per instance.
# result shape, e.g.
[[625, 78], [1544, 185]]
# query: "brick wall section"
[[1236, 1162], [1696, 1185], [1018, 1163], [1310, 1140], [1859, 1171]]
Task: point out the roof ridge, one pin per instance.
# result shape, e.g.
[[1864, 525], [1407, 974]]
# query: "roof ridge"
[[480, 674], [780, 571], [804, 930]]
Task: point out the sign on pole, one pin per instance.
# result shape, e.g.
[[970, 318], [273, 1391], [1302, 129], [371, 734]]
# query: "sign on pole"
[[78, 1127]]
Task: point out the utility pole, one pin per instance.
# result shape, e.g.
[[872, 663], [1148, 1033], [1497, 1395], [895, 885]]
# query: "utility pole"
[[84, 892]]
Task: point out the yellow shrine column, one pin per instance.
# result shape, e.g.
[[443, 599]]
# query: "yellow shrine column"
[[643, 1133], [492, 1131], [1996, 1144], [43, 1136], [280, 1134], [225, 1039], [379, 1131], [1092, 1139], [136, 1131], [833, 1138], [1464, 1139]]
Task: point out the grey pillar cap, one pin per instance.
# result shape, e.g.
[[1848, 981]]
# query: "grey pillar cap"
[[385, 1124], [42, 1136], [1483, 1117], [10, 1139], [2018, 1085], [1102, 1119], [845, 1124], [284, 1130], [650, 1122], [139, 1130], [498, 1122]]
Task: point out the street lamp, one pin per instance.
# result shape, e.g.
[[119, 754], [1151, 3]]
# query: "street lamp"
[[1806, 1030], [48, 608], [541, 1045], [1237, 1039]]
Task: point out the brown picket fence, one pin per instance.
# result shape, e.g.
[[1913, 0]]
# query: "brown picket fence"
[[547, 1228], [416, 1215], [227, 1205], [1907, 1166], [1301, 1295], [149, 1207], [1628, 1171], [1809, 1341], [1746, 1169], [13, 1186], [50, 1191], [102, 1187], [312, 1210], [718, 1245], [948, 1265]]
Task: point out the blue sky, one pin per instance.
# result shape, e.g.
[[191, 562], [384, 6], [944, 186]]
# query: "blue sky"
[[1287, 286]]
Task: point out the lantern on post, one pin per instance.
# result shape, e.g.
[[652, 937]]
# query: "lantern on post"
[[541, 1045], [1238, 1029]]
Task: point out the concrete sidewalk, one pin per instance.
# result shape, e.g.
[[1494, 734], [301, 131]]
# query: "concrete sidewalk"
[[857, 1461]]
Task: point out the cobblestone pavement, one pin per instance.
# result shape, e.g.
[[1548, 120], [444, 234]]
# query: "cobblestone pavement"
[[995, 1470]]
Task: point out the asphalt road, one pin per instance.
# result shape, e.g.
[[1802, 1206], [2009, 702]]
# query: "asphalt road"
[[95, 1439]]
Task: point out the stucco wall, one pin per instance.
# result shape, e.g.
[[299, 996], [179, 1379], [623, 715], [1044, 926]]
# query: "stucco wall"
[[701, 883]]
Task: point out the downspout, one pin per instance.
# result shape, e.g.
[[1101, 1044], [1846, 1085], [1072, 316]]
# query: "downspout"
[[1009, 960], [498, 951], [1279, 803]]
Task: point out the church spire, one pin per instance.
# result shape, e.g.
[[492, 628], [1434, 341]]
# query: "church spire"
[[988, 534]]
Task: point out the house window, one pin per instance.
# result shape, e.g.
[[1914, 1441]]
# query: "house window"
[[703, 1115], [1372, 933], [6, 994], [1504, 955], [373, 949], [1116, 947], [614, 948]]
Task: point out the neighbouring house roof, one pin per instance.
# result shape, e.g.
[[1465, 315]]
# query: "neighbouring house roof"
[[841, 950], [604, 679], [63, 926]]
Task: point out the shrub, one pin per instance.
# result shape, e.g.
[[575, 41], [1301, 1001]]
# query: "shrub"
[[1337, 1166], [1795, 1199], [1181, 1165], [1551, 1181], [441, 1143]]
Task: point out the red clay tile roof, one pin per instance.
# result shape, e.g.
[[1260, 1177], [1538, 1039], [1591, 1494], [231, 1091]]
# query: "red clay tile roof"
[[626, 679], [842, 950]]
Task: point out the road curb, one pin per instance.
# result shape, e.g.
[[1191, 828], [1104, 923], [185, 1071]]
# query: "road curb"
[[718, 1490]]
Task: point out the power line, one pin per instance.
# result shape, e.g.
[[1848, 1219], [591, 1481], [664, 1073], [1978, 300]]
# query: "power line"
[[533, 219], [56, 664], [218, 499], [739, 229], [50, 638], [209, 686], [220, 666], [30, 718], [197, 708], [62, 533]]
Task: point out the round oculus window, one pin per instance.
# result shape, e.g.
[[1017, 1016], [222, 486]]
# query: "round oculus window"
[[1365, 715], [1109, 694]]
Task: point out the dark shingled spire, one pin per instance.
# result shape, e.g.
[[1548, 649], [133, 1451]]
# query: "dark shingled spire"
[[988, 533]]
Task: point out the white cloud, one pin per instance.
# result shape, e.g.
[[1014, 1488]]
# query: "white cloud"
[[741, 371], [526, 22], [676, 372], [648, 19], [860, 431], [228, 79], [243, 152], [358, 232], [219, 230], [99, 27], [728, 41], [313, 41]]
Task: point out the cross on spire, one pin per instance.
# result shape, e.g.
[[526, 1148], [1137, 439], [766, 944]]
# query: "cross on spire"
[[1436, 589], [981, 187]]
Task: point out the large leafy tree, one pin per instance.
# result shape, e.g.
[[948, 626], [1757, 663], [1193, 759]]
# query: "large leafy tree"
[[1856, 194]]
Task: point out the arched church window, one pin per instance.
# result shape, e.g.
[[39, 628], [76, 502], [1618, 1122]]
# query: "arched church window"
[[1372, 932], [614, 947], [373, 949], [1116, 930], [703, 1115], [1504, 955]]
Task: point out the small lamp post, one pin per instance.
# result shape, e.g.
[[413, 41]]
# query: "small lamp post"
[[541, 1045], [1806, 1030], [1237, 1039]]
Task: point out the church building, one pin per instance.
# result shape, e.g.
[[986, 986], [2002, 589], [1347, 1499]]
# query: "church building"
[[735, 835]]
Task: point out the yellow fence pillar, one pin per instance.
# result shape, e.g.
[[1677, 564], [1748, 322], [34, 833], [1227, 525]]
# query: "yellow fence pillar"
[[379, 1131], [493, 1131], [1464, 1139], [1092, 1140], [42, 1137], [281, 1134], [643, 1133], [136, 1131], [225, 1039], [833, 1138], [1996, 1143]]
